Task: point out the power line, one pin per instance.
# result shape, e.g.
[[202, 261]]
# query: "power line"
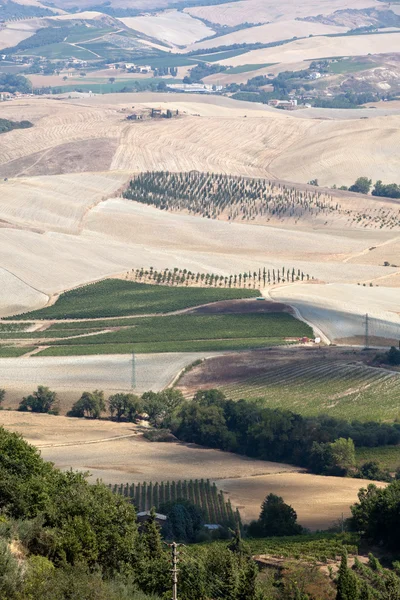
[[175, 560]]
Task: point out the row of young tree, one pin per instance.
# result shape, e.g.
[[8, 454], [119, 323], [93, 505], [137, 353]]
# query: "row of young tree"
[[248, 279], [212, 195]]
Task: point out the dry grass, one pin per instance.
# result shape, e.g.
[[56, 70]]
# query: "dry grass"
[[320, 47], [261, 11], [76, 444], [174, 27], [70, 376], [271, 32]]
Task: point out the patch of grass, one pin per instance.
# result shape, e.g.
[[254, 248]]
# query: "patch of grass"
[[218, 56], [155, 347], [116, 297], [14, 351], [59, 51], [350, 66], [9, 327], [388, 457], [188, 328], [347, 391], [247, 68]]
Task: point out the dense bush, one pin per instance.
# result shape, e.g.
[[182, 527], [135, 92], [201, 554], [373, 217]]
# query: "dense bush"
[[6, 125], [376, 515], [276, 519], [14, 83]]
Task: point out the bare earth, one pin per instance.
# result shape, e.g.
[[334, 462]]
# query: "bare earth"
[[94, 446]]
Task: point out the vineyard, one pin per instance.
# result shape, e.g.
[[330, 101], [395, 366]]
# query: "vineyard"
[[341, 390], [214, 196], [199, 492]]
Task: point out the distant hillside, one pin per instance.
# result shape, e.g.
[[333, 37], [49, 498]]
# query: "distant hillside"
[[10, 11]]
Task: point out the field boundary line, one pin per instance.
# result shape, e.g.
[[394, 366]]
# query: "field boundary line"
[[100, 441]]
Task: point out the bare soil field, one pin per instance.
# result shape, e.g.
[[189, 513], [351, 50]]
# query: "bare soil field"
[[94, 446]]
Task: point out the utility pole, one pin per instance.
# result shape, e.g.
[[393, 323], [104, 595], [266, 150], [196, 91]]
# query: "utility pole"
[[133, 382], [175, 560], [366, 331]]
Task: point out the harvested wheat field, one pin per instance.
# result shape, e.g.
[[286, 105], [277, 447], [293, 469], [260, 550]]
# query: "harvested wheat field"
[[320, 47], [172, 26], [271, 32], [94, 446], [258, 11], [111, 373]]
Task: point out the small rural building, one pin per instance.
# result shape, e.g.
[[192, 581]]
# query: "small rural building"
[[135, 117], [144, 516]]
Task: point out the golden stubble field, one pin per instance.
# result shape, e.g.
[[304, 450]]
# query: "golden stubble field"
[[70, 227], [118, 453]]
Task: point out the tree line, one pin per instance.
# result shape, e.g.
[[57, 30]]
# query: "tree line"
[[248, 279], [322, 444], [7, 125], [363, 185]]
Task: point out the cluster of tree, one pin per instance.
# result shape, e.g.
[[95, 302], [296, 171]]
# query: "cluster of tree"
[[10, 11], [376, 515], [322, 444], [363, 186], [347, 100], [388, 190], [78, 541], [211, 195], [43, 37], [162, 71], [242, 48], [6, 125], [14, 83], [202, 70]]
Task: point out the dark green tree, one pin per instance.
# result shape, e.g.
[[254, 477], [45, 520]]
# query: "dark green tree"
[[276, 518], [347, 587], [126, 406], [41, 401], [90, 404], [362, 185]]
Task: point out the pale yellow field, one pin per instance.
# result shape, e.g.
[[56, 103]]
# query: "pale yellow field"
[[261, 11], [320, 47], [172, 26], [67, 229], [270, 32], [94, 446]]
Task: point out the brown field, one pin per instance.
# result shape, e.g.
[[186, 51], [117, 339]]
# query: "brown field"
[[94, 446]]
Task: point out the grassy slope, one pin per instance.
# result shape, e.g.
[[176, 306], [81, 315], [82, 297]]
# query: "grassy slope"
[[14, 351], [388, 457], [115, 297]]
